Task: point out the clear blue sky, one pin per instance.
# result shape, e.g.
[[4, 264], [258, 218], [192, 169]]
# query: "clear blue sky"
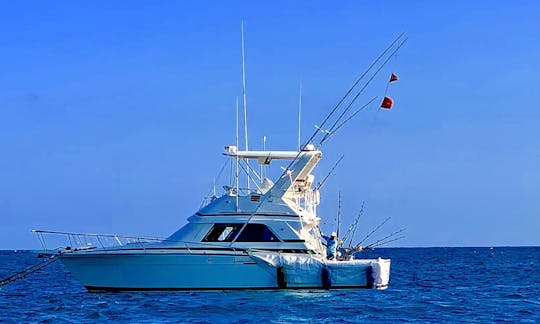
[[113, 115]]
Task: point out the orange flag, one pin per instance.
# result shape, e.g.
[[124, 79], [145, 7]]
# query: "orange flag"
[[387, 103]]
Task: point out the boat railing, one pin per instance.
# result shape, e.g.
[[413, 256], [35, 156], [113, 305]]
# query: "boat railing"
[[55, 241]]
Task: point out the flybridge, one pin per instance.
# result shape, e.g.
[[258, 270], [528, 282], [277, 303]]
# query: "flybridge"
[[299, 170]]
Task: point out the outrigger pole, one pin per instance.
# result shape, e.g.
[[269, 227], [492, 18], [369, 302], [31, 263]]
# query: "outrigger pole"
[[355, 84], [336, 107], [332, 132], [367, 83]]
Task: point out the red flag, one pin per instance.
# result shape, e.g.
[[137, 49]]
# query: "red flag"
[[387, 103], [393, 78]]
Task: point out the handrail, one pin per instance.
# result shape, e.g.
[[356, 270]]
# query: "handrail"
[[138, 240], [105, 235]]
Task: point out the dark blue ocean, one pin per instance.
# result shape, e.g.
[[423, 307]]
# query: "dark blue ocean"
[[426, 285]]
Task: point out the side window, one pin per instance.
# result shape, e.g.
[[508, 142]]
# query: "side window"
[[257, 233], [222, 233]]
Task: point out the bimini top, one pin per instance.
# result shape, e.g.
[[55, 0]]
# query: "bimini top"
[[265, 157], [297, 174]]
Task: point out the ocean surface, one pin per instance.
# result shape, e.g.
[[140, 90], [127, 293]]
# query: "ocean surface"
[[426, 285]]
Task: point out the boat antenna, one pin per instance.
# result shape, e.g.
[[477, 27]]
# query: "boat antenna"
[[374, 230], [299, 116], [320, 184], [244, 94], [236, 158]]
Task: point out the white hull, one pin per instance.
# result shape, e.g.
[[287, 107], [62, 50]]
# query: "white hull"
[[168, 271]]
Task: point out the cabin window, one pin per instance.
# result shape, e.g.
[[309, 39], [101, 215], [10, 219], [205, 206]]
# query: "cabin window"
[[257, 233], [222, 233]]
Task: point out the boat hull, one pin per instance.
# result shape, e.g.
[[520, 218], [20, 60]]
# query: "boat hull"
[[170, 271]]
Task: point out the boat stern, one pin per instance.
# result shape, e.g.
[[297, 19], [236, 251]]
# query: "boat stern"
[[380, 273]]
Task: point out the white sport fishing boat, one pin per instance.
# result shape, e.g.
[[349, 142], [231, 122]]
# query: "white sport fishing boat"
[[267, 238], [263, 237]]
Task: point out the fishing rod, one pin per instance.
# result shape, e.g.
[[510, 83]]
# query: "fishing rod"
[[384, 238], [320, 184], [371, 247], [353, 225], [394, 52], [386, 242], [338, 214], [373, 231], [356, 222], [349, 230]]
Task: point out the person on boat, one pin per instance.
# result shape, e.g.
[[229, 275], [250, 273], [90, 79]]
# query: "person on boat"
[[331, 246]]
